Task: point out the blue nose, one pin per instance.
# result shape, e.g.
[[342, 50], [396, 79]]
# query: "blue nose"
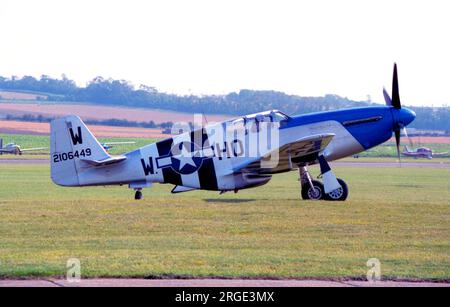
[[406, 116]]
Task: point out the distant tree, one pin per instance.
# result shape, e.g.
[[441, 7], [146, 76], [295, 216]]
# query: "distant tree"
[[120, 92], [148, 89]]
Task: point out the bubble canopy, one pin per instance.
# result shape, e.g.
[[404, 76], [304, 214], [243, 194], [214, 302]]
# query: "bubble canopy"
[[271, 116]]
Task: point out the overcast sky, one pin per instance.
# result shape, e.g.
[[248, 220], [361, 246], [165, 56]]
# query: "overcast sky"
[[308, 48]]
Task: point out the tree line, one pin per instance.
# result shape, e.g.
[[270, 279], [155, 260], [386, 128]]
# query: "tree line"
[[122, 93]]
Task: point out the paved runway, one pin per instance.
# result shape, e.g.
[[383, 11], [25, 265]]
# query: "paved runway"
[[337, 164], [122, 282], [24, 161]]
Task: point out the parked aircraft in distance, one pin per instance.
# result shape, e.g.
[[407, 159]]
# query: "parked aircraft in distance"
[[422, 152], [15, 149], [237, 154], [108, 145]]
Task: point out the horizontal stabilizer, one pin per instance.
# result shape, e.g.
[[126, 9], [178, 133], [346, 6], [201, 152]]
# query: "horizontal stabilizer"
[[107, 161]]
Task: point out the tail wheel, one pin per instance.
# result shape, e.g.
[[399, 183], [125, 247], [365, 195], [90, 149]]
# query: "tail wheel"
[[308, 193], [138, 195], [340, 194]]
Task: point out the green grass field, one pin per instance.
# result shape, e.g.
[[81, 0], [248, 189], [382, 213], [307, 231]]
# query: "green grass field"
[[400, 216]]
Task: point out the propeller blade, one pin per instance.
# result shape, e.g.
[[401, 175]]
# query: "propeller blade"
[[395, 92], [397, 143], [387, 98]]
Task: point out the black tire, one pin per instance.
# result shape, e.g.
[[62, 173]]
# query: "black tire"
[[307, 192], [138, 195], [339, 194]]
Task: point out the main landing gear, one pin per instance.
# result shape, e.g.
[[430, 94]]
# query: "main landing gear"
[[340, 193], [315, 190]]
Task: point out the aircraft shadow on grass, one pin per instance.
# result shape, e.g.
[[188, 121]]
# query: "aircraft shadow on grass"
[[229, 200]]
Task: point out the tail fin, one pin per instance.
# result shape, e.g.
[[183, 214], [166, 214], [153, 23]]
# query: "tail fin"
[[71, 143]]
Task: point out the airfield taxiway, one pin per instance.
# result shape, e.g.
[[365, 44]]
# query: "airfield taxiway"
[[124, 282]]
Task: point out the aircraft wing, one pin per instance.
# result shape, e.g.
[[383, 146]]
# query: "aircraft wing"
[[305, 149], [33, 149], [440, 154]]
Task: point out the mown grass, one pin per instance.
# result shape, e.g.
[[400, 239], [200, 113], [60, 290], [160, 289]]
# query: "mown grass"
[[400, 216]]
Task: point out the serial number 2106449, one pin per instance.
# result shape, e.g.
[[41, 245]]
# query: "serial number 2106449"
[[71, 155]]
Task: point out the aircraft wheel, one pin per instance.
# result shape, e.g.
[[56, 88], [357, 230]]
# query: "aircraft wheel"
[[340, 194], [138, 195], [313, 194]]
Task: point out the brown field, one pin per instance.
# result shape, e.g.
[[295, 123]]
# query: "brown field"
[[428, 139], [20, 96], [16, 127], [94, 112]]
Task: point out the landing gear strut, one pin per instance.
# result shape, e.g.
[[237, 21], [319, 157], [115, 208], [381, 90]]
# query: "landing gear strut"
[[311, 189]]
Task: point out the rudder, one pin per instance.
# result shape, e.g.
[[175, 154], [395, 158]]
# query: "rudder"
[[70, 142]]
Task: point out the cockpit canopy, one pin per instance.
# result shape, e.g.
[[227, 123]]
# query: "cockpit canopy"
[[252, 122], [423, 149], [272, 116]]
